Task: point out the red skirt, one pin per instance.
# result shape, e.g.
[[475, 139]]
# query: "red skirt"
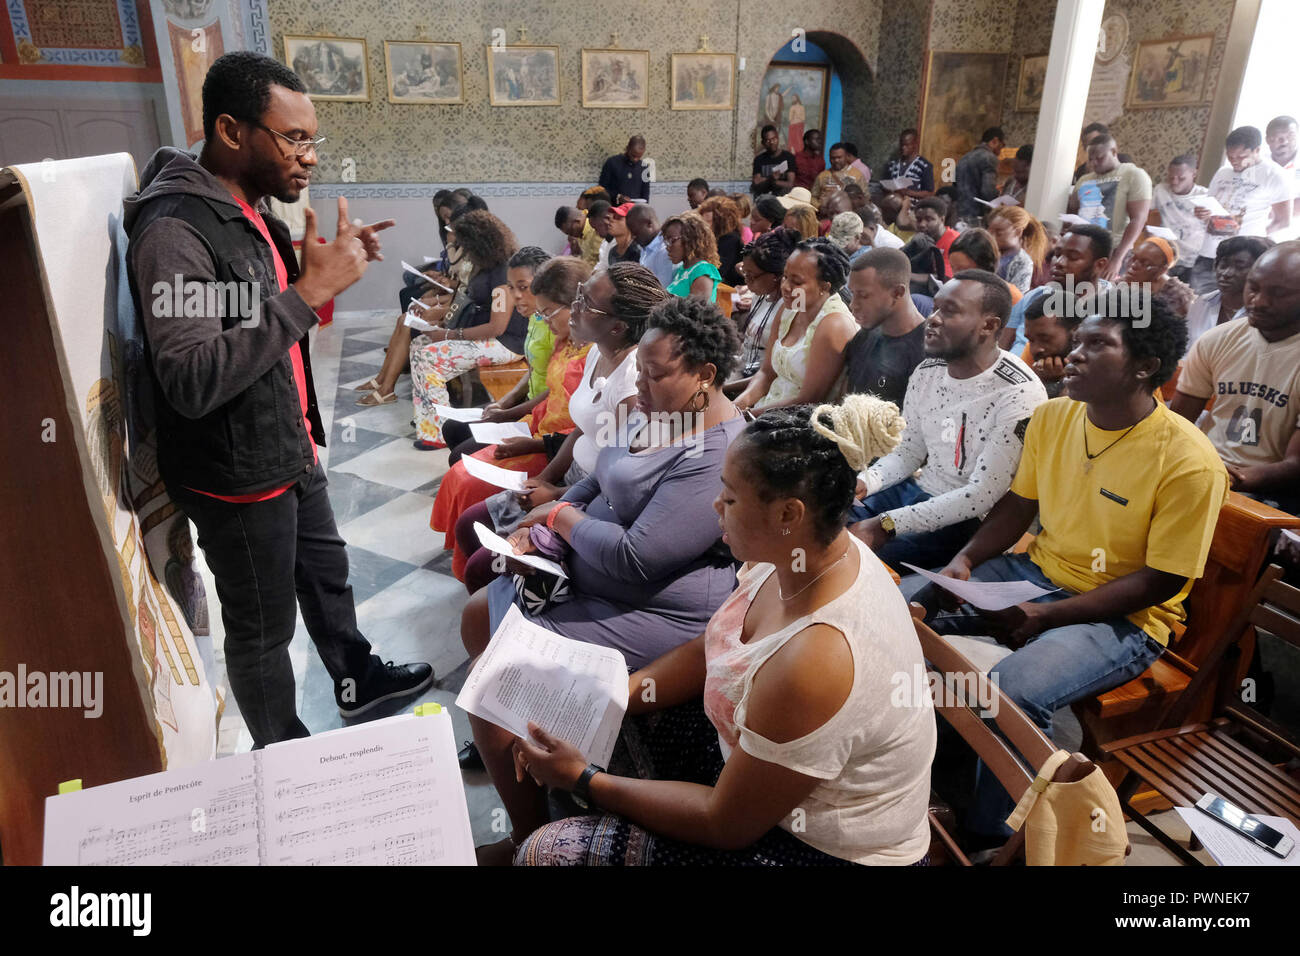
[[459, 490]]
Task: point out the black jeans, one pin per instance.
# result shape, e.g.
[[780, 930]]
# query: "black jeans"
[[270, 558]]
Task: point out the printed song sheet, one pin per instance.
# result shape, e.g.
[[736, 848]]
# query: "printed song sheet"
[[389, 797], [571, 689], [198, 816], [501, 477], [985, 595], [492, 433]]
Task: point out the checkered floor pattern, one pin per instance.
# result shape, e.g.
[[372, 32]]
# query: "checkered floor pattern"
[[382, 490]]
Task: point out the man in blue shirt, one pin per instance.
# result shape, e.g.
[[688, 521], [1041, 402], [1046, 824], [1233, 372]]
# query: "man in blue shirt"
[[644, 226], [625, 177]]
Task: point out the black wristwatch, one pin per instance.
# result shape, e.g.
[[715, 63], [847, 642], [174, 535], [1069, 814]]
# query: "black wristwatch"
[[582, 789]]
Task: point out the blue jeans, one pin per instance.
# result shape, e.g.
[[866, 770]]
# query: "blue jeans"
[[1054, 669], [925, 549]]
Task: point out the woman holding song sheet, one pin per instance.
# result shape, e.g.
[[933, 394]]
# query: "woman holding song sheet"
[[805, 752], [643, 551]]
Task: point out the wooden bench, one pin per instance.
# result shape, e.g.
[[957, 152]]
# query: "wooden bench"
[[1243, 539], [500, 379]]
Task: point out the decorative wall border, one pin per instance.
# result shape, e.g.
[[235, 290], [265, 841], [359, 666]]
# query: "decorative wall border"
[[257, 27], [131, 54], [487, 190]]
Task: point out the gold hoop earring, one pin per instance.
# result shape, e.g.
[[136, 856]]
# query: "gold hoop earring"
[[695, 401]]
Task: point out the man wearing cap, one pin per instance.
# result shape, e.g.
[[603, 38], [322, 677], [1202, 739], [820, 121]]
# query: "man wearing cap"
[[625, 177], [623, 245]]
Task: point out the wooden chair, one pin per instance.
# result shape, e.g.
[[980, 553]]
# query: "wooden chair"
[[1186, 761], [1001, 754], [723, 298], [500, 379], [1243, 538]]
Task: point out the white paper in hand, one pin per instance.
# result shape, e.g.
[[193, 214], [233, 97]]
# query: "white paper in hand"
[[571, 689], [1210, 203], [902, 182], [1071, 219], [998, 201], [985, 595], [501, 477], [414, 321], [414, 271], [1163, 233], [499, 545], [490, 433], [458, 414]]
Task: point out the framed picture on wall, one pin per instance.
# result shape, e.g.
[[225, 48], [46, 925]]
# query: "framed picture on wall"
[[523, 75], [793, 100], [703, 81], [616, 79], [423, 72], [963, 96], [332, 68], [1170, 72], [1029, 91]]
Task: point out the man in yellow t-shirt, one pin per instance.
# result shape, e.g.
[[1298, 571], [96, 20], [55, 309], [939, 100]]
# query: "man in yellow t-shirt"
[[1251, 367], [1128, 494]]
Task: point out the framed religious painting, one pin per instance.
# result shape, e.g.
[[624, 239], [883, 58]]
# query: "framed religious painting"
[[424, 71], [523, 75], [616, 79], [703, 81], [332, 68]]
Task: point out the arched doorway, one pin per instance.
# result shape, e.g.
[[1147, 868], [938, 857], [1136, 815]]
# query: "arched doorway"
[[819, 81]]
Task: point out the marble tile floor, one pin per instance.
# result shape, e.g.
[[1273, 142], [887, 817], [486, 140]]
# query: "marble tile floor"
[[408, 603]]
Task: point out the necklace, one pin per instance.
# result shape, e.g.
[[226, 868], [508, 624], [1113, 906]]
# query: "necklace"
[[827, 570], [1087, 467]]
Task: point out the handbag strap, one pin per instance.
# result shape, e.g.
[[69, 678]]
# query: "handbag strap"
[[1039, 784]]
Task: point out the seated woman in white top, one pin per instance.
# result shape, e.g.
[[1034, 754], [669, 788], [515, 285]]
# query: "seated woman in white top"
[[809, 756], [805, 350]]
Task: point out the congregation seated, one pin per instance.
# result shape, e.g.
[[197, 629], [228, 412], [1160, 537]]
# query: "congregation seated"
[[1148, 268], [1233, 259], [1022, 245], [1078, 267], [723, 217], [544, 291], [802, 218], [928, 248], [762, 264], [874, 233], [1250, 367], [769, 213], [607, 311], [975, 248], [967, 407], [486, 330], [646, 564], [890, 342], [805, 347], [1128, 494], [803, 754], [1049, 329], [694, 253], [644, 226], [623, 245]]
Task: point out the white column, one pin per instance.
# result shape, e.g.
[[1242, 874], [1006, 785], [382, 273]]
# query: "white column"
[[1065, 94]]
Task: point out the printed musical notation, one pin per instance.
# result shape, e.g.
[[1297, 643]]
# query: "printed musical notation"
[[387, 793]]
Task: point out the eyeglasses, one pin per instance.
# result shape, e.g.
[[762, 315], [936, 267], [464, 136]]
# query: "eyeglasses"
[[580, 304], [301, 147], [547, 316], [673, 240]]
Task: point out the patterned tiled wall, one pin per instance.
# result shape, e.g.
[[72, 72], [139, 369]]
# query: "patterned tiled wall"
[[1151, 136], [903, 27], [478, 143]]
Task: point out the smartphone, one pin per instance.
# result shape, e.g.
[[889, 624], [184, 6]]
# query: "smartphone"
[[1253, 829]]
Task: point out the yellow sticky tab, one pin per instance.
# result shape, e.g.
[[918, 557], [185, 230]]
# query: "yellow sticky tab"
[[69, 786], [424, 710]]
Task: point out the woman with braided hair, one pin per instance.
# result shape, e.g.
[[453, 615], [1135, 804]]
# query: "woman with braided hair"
[[805, 349], [806, 752]]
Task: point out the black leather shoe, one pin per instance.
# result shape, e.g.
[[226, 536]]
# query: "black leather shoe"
[[470, 758], [385, 682]]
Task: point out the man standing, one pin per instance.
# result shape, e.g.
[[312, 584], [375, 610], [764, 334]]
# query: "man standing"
[[977, 176], [1251, 368], [1018, 182], [1114, 195], [1081, 259], [774, 167], [626, 177], [1256, 194], [910, 164], [1281, 138], [967, 407], [238, 424], [808, 161], [1128, 494], [644, 226], [879, 360], [841, 173], [1172, 208]]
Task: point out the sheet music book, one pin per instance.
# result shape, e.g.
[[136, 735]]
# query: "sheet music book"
[[574, 690], [387, 792]]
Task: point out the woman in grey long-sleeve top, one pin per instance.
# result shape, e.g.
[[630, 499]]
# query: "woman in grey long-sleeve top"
[[646, 561]]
